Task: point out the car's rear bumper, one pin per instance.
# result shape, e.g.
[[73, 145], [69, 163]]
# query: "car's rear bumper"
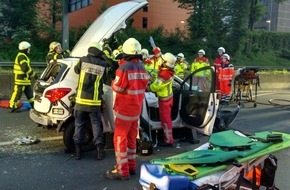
[[39, 118]]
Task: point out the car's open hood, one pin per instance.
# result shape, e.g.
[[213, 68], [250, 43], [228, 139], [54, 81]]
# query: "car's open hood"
[[110, 21]]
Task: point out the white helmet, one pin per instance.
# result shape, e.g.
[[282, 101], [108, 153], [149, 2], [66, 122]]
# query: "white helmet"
[[131, 47], [221, 50], [145, 53], [169, 59], [180, 56], [226, 56], [96, 45], [201, 51], [24, 45]]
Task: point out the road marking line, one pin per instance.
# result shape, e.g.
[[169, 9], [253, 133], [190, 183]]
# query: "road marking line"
[[41, 139]]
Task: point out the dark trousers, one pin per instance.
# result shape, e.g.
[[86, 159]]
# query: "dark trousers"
[[17, 93], [81, 118]]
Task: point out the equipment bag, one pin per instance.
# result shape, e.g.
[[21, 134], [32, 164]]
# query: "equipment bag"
[[269, 171], [267, 178]]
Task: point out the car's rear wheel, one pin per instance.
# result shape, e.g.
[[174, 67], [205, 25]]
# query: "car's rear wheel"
[[68, 134]]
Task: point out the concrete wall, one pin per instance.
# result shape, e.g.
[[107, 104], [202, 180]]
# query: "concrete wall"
[[267, 82]]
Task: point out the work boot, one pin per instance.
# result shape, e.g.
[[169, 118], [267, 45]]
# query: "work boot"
[[78, 152], [14, 109], [164, 144], [101, 153], [32, 105], [113, 174]]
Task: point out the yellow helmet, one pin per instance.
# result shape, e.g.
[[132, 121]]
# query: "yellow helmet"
[[53, 45]]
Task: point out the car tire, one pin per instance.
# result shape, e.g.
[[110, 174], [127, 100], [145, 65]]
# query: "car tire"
[[68, 140]]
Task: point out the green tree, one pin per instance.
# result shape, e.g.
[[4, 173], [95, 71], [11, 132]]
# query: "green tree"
[[49, 17], [17, 18]]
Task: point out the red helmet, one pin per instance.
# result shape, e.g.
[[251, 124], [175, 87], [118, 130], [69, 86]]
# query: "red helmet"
[[157, 51]]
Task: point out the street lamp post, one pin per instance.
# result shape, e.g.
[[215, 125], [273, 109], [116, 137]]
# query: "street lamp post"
[[269, 24]]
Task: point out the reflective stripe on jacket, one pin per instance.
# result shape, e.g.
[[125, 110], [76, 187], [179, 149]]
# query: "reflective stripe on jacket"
[[90, 86], [22, 69], [52, 55], [163, 84], [130, 84]]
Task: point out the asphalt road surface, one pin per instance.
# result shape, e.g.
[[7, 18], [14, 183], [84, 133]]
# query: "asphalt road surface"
[[45, 165]]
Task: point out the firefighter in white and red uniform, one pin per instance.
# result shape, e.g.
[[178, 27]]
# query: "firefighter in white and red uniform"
[[130, 85], [226, 73], [163, 88], [217, 64]]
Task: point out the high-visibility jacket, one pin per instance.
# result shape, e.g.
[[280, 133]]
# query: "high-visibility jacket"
[[22, 69], [155, 65], [226, 71], [199, 63], [53, 55], [148, 65], [163, 84], [91, 70], [130, 84], [180, 68]]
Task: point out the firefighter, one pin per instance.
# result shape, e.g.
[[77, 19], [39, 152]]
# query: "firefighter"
[[155, 61], [23, 73], [180, 66], [163, 88], [55, 52], [130, 85], [91, 70], [226, 73], [200, 77], [146, 61], [217, 64]]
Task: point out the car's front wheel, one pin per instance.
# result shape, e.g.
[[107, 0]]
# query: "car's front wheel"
[[68, 134]]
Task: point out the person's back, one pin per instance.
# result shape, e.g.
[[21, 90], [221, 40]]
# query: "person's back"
[[130, 83], [91, 70]]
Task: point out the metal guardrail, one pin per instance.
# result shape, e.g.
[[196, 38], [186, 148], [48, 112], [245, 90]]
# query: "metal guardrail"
[[33, 64], [43, 64]]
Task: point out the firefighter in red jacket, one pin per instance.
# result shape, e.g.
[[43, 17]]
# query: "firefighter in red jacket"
[[163, 88], [130, 85], [226, 73], [217, 64], [155, 61]]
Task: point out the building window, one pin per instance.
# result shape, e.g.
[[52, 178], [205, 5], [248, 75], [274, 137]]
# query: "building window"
[[145, 9], [145, 22], [78, 4]]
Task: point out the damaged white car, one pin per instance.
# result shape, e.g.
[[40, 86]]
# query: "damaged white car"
[[55, 89]]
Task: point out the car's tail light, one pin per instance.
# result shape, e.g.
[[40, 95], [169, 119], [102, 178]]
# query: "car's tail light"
[[56, 94]]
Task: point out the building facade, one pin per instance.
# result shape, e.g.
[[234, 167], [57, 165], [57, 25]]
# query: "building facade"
[[159, 12], [276, 18]]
